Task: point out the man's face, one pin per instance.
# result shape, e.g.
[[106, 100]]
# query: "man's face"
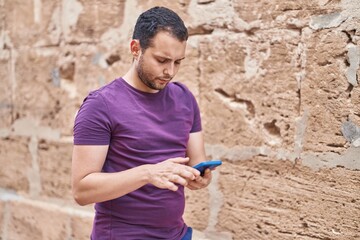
[[160, 62]]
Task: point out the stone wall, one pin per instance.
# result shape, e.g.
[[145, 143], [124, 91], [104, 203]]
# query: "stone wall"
[[277, 83]]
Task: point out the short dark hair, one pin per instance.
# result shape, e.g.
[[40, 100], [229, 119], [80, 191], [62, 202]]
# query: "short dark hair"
[[157, 19]]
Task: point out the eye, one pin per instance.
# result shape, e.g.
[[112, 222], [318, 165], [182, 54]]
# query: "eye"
[[161, 60], [177, 62]]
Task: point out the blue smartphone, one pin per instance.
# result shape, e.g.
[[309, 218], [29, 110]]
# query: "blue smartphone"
[[207, 164]]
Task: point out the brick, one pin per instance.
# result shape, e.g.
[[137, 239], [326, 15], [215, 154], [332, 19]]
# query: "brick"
[[15, 161], [94, 67], [37, 221], [93, 19], [35, 87], [39, 93], [55, 169], [189, 70], [197, 211], [324, 92], [22, 14], [247, 92], [268, 199], [174, 5], [81, 227]]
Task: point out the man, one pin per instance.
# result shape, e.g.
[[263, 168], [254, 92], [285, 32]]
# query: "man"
[[136, 138]]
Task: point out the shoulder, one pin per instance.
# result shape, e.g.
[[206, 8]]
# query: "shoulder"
[[110, 88], [179, 85], [103, 94], [97, 101], [179, 88], [181, 92]]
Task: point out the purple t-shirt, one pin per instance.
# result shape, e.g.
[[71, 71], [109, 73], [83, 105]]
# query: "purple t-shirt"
[[140, 128]]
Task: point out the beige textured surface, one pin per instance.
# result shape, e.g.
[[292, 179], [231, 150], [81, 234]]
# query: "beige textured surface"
[[275, 81], [280, 200]]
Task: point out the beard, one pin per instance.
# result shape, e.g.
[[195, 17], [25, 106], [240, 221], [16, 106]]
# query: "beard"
[[148, 79]]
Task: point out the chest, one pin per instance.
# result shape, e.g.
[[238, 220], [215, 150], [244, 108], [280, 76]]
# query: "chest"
[[152, 126]]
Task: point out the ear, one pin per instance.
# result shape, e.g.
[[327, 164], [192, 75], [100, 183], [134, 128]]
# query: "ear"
[[135, 48]]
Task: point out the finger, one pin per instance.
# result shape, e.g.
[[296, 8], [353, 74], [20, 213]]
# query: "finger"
[[198, 181], [188, 173], [208, 173], [179, 180], [194, 186], [179, 160], [203, 181], [171, 186], [191, 187], [193, 171]]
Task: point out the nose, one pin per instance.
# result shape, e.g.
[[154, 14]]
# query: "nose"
[[169, 69]]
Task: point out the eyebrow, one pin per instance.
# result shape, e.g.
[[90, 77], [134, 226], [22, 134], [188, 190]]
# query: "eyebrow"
[[166, 58]]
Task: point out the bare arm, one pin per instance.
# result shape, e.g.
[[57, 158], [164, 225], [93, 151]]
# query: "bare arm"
[[90, 185], [196, 153], [195, 148]]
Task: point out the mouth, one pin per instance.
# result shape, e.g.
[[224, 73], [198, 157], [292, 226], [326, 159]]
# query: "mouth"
[[164, 81]]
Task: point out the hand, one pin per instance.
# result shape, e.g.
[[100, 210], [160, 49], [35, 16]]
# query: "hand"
[[173, 171], [201, 181]]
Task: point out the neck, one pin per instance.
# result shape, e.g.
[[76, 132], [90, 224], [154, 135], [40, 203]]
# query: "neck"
[[132, 78]]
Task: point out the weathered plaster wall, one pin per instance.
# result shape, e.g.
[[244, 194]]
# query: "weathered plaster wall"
[[278, 87]]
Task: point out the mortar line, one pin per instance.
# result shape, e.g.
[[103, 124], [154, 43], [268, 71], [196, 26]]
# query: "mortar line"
[[34, 174], [13, 81]]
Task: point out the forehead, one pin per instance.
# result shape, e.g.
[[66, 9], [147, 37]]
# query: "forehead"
[[167, 45]]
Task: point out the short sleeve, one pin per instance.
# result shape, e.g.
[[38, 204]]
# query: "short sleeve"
[[197, 118], [92, 123]]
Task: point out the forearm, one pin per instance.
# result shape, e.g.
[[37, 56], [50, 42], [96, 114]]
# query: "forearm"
[[100, 186], [196, 160], [196, 149]]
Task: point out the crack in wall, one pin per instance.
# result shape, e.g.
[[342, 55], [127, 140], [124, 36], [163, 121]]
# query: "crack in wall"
[[301, 120], [13, 57], [234, 101], [300, 62]]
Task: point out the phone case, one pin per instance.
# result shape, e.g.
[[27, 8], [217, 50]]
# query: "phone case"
[[208, 164]]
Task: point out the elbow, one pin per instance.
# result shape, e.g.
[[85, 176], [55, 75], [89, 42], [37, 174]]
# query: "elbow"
[[79, 198], [80, 201]]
